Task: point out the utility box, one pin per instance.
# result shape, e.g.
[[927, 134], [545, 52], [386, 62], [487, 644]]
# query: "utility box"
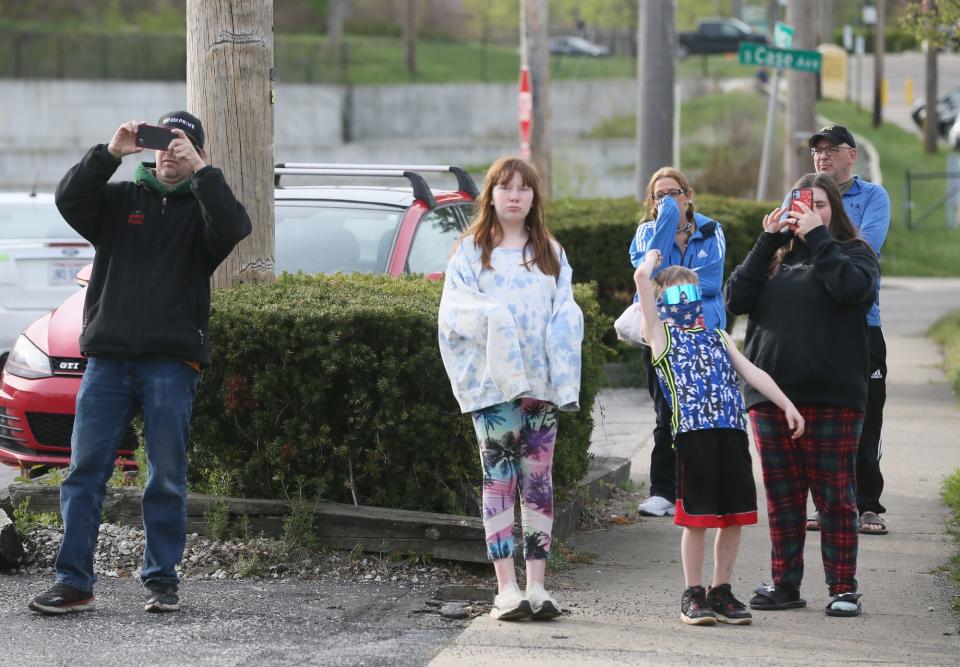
[[833, 72]]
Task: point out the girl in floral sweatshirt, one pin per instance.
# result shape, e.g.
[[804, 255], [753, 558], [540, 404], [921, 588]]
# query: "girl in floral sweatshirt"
[[510, 335]]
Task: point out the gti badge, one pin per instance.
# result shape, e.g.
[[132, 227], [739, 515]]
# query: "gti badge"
[[69, 365]]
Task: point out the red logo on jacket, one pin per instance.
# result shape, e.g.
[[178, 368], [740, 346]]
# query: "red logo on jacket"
[[135, 218]]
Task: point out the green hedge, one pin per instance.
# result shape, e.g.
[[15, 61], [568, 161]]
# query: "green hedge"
[[596, 235], [317, 380]]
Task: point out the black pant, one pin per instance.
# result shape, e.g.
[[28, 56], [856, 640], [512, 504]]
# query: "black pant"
[[663, 459], [870, 449]]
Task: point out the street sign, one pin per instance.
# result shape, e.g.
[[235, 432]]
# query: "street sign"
[[782, 35], [761, 55], [525, 111]]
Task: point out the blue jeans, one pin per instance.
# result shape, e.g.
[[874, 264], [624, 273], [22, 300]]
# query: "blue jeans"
[[110, 393]]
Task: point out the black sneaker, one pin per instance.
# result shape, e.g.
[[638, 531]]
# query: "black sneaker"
[[728, 608], [163, 597], [62, 599], [694, 609]]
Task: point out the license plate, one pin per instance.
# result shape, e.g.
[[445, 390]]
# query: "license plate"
[[62, 274]]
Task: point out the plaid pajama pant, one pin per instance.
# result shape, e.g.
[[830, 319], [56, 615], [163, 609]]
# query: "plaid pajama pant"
[[823, 461]]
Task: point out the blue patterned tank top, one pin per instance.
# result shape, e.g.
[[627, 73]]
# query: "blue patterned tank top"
[[699, 381]]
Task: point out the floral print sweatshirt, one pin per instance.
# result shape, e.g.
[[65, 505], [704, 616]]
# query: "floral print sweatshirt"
[[509, 332]]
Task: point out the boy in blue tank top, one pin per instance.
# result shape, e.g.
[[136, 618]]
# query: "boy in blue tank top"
[[697, 368]]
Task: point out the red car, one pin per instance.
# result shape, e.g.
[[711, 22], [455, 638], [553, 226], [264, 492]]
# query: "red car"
[[319, 229]]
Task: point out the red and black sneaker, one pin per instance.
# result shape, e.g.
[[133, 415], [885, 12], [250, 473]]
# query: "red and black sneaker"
[[694, 609], [62, 599], [728, 608]]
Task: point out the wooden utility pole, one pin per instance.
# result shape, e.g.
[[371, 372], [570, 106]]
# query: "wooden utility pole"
[[229, 87], [336, 14], [931, 130], [801, 93], [656, 50], [535, 54], [879, 49], [410, 38]]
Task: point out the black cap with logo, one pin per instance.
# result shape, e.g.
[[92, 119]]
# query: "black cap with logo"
[[183, 120], [835, 134]]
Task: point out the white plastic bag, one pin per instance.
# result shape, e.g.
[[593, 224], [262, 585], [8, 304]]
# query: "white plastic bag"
[[629, 326]]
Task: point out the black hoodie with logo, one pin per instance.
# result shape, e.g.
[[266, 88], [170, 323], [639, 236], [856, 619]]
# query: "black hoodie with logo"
[[149, 293], [807, 325]]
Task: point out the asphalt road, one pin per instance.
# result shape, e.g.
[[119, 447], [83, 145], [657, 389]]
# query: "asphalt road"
[[225, 623]]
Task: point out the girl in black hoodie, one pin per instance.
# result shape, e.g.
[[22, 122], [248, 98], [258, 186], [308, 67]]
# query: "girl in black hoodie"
[[807, 286]]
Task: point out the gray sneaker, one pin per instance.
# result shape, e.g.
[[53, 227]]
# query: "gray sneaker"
[[163, 597], [510, 605], [656, 506]]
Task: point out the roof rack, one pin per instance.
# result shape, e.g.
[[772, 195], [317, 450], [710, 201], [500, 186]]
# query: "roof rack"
[[420, 188]]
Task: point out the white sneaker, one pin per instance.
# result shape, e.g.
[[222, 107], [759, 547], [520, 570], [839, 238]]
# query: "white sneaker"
[[543, 606], [510, 605], [656, 506]]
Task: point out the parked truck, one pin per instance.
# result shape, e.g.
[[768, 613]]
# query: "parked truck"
[[716, 36]]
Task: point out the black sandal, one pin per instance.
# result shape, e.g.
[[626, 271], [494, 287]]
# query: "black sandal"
[[775, 598], [852, 598]]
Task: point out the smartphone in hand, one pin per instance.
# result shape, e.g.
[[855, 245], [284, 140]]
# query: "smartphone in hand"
[[804, 195], [154, 136]]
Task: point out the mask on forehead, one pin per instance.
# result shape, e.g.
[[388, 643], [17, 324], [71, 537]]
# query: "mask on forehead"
[[683, 305]]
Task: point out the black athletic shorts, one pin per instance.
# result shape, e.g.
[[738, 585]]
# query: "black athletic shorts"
[[715, 487]]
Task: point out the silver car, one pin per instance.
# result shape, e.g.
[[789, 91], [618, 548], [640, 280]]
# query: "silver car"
[[40, 255]]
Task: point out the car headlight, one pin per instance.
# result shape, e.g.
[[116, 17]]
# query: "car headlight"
[[27, 360]]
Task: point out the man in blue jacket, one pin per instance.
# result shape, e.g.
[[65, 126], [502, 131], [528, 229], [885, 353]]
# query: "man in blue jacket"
[[145, 335], [834, 153]]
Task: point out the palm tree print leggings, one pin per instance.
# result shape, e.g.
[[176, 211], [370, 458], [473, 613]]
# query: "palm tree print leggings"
[[516, 450]]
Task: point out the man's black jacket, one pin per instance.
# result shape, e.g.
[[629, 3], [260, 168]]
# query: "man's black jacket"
[[149, 294]]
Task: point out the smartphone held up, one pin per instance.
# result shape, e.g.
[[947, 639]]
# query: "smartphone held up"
[[154, 136], [804, 195]]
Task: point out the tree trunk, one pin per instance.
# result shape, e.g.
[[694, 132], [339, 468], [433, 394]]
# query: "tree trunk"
[[878, 52], [801, 91], [229, 87], [655, 57], [410, 38], [535, 52]]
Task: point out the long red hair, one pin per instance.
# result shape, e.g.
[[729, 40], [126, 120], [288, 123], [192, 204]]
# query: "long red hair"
[[486, 229]]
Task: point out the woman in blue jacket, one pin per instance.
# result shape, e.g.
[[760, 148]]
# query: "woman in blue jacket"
[[684, 238]]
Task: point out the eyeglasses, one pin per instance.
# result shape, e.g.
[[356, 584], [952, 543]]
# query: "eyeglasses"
[[830, 150], [657, 196]]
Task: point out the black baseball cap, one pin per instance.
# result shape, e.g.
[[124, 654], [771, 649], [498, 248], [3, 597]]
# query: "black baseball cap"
[[186, 121], [835, 134]]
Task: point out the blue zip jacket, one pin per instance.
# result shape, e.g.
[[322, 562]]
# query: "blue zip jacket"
[[868, 207], [704, 255]]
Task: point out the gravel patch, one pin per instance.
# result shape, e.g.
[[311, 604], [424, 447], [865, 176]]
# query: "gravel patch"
[[120, 553]]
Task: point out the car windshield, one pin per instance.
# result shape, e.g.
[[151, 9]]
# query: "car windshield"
[[329, 238], [33, 221]]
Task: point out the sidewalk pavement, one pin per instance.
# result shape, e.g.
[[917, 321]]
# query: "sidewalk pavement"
[[625, 606]]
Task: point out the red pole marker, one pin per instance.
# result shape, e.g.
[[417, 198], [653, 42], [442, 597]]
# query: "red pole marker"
[[525, 111]]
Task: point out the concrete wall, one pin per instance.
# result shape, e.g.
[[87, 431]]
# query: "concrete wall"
[[46, 125]]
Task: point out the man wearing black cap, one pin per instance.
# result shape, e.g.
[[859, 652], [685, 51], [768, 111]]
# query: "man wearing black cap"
[[834, 152], [158, 240]]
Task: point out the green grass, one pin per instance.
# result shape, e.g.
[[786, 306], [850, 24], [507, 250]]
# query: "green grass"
[[56, 49], [946, 331], [932, 248], [950, 492]]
